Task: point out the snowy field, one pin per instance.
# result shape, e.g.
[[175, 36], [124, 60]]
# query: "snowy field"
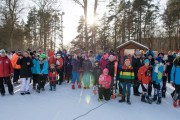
[[79, 104]]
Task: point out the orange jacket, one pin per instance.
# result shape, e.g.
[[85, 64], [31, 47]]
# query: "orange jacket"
[[143, 75], [59, 63], [15, 57]]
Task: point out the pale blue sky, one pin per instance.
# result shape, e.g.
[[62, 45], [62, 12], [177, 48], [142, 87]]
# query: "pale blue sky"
[[73, 12]]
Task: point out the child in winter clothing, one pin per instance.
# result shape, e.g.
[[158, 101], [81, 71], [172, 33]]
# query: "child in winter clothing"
[[175, 77], [126, 78], [157, 79], [104, 85], [144, 76], [52, 77]]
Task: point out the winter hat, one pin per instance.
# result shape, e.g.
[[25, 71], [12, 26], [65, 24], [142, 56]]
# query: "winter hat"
[[43, 56], [3, 51], [18, 51], [165, 57], [105, 71], [146, 61], [137, 53], [158, 59], [111, 58]]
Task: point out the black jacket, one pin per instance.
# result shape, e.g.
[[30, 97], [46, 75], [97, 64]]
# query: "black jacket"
[[170, 60], [25, 70], [136, 64], [110, 66]]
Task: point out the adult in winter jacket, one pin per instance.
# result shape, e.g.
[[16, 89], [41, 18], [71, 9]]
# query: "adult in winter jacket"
[[86, 67], [35, 70], [16, 67], [60, 67], [104, 61], [68, 68], [136, 64], [104, 85], [175, 76], [169, 65], [25, 72], [5, 71], [42, 68], [157, 78], [76, 66]]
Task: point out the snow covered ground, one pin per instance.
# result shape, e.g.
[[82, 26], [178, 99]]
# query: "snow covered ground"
[[79, 104]]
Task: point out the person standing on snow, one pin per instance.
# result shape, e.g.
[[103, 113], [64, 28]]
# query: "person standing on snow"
[[126, 78], [43, 72], [6, 71], [137, 62], [76, 66], [25, 72], [59, 67], [157, 78], [16, 67], [144, 76]]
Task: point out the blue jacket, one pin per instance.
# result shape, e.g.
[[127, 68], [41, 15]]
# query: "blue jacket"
[[44, 70], [36, 67], [157, 77], [175, 75]]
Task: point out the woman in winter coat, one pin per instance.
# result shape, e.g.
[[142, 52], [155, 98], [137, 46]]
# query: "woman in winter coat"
[[6, 70], [25, 72], [76, 66], [175, 77], [86, 67], [42, 68], [104, 85], [104, 61]]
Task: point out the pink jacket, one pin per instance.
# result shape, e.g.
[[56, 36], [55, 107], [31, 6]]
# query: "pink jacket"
[[105, 81]]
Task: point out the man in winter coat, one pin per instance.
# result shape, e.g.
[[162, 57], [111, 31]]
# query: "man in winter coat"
[[169, 65], [68, 68], [5, 71], [104, 61], [25, 72], [16, 67], [136, 64], [60, 67]]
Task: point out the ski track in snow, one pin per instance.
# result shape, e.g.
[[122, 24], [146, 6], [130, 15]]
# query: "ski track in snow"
[[80, 104]]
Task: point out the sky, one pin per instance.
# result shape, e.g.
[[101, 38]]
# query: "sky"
[[73, 12]]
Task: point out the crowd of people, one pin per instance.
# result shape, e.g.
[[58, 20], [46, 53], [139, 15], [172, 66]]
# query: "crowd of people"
[[108, 73]]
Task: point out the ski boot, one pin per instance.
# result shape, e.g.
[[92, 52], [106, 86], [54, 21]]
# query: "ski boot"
[[79, 85], [159, 101], [122, 100], [128, 101], [73, 86]]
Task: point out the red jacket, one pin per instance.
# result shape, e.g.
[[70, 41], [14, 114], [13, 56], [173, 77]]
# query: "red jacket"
[[5, 67], [144, 75], [105, 81], [52, 76]]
